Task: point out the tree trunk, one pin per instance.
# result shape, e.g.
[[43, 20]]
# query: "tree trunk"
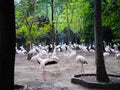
[[100, 66], [53, 31], [7, 44], [68, 26]]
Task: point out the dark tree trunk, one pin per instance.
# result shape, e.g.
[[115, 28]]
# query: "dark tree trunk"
[[7, 44], [68, 26], [53, 31], [100, 66]]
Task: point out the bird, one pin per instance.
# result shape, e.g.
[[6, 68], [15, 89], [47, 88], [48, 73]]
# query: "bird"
[[45, 61], [54, 51], [23, 49], [105, 54], [82, 60], [31, 53], [84, 49], [70, 54], [117, 55], [108, 49], [20, 52]]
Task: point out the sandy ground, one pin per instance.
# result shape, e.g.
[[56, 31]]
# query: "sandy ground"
[[28, 74]]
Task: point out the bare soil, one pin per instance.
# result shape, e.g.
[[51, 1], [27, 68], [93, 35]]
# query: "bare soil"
[[28, 74]]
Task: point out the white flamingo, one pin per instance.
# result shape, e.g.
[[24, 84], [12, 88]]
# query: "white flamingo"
[[23, 49], [117, 55], [105, 54], [82, 60], [20, 52], [44, 62]]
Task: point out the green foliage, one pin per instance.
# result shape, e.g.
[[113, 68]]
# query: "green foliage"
[[22, 30], [26, 20], [45, 29], [77, 14], [110, 17]]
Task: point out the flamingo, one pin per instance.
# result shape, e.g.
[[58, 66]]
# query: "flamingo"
[[20, 52], [23, 49], [105, 54], [44, 62], [31, 53], [117, 55], [82, 60]]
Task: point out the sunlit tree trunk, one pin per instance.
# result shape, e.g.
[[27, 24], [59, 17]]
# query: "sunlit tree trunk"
[[100, 66], [7, 44]]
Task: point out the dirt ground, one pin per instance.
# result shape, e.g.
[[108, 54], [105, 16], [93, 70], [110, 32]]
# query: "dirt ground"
[[58, 75]]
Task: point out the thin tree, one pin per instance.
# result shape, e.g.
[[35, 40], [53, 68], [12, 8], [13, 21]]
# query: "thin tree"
[[100, 66], [53, 31], [7, 44], [29, 12]]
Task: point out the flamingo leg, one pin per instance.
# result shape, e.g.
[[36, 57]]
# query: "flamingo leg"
[[118, 63], [56, 67], [44, 74], [82, 69]]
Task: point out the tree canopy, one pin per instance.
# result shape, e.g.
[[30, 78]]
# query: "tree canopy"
[[34, 20]]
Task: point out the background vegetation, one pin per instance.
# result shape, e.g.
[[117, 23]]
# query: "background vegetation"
[[34, 20]]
